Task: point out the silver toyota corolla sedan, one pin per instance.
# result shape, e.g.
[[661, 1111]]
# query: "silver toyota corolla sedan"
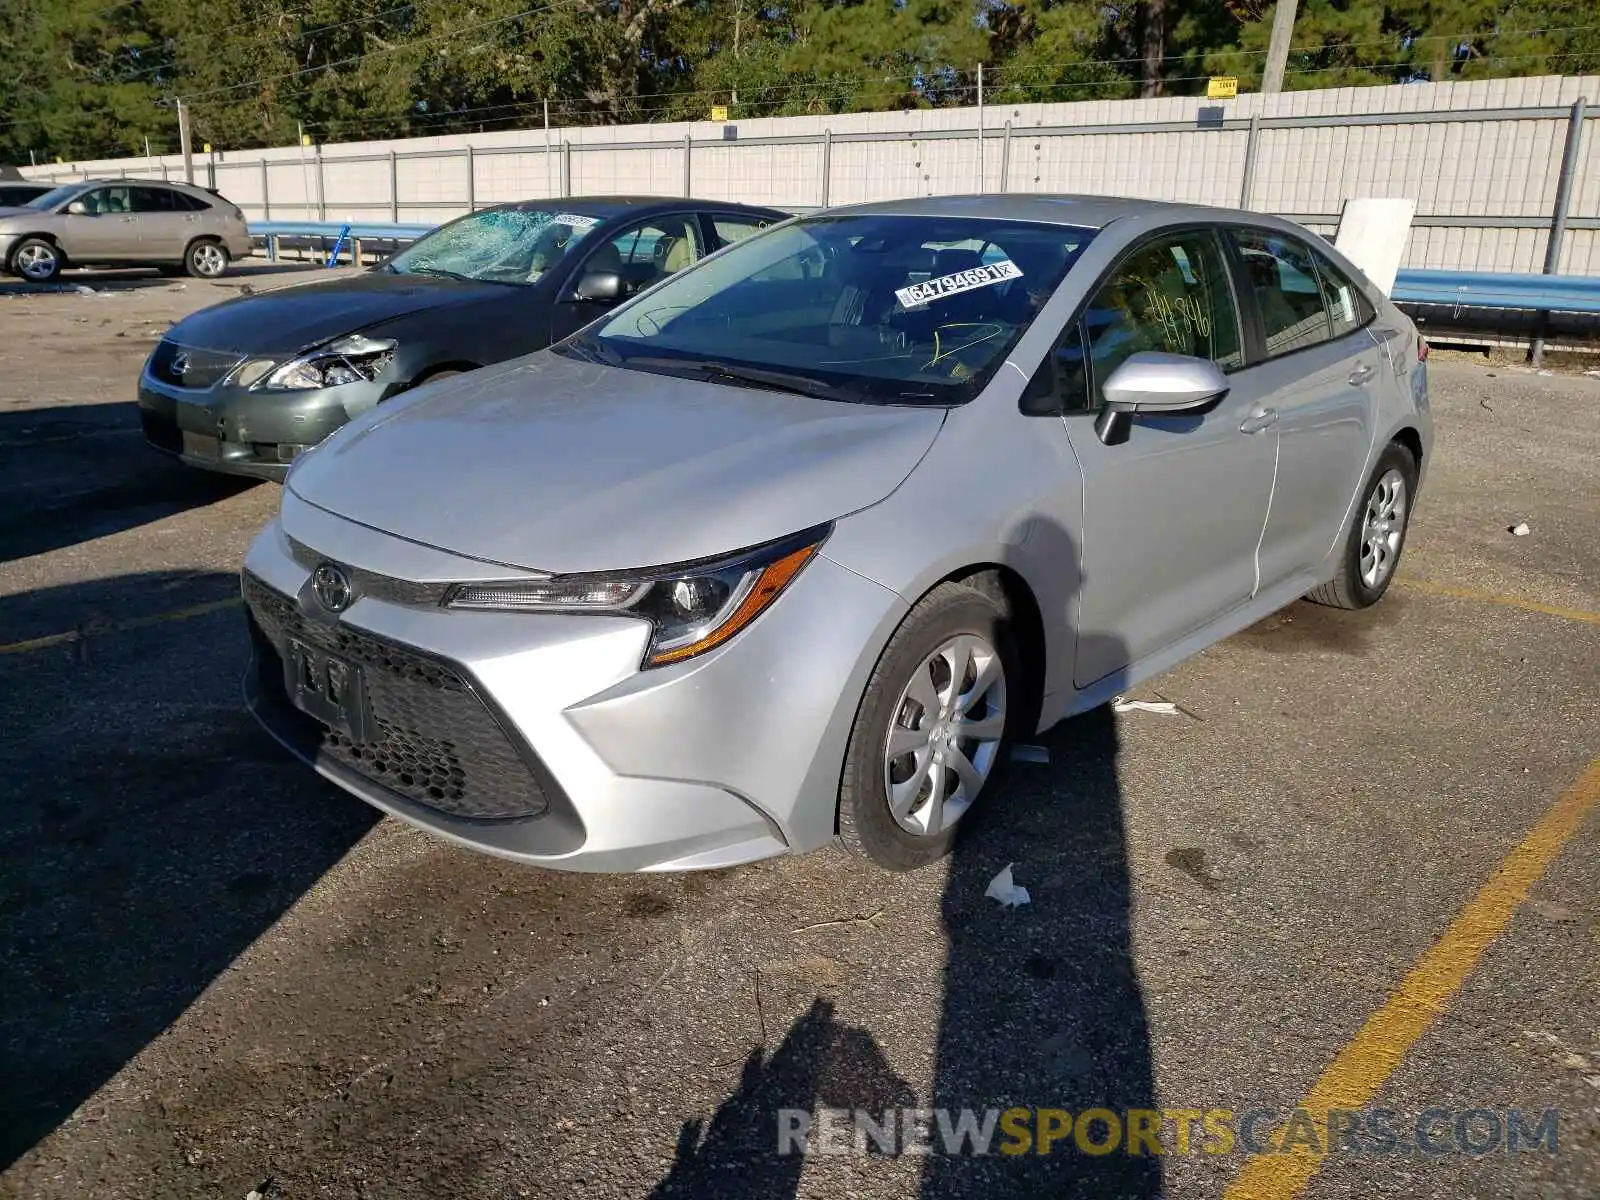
[[795, 544]]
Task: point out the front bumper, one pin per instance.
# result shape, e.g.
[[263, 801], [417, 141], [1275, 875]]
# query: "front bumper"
[[241, 432], [724, 759]]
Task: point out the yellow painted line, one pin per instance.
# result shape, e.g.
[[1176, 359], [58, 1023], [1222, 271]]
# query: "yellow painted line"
[[1461, 593], [78, 635], [1368, 1059]]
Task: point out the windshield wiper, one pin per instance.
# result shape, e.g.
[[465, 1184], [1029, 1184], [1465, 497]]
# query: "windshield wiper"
[[775, 381], [441, 272]]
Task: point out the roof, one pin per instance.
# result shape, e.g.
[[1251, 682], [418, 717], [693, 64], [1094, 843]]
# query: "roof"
[[606, 207], [1091, 212]]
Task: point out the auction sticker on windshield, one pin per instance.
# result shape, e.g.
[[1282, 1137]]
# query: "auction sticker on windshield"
[[575, 220], [960, 281]]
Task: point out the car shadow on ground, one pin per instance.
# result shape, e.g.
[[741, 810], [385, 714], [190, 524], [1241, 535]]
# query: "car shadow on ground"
[[75, 473], [1042, 1008], [122, 279], [149, 832]]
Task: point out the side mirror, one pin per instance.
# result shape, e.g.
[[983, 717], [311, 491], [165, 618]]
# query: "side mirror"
[[600, 287], [1148, 382], [78, 208]]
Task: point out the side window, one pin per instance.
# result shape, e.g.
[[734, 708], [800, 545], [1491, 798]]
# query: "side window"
[[647, 253], [1283, 276], [730, 229], [187, 203], [1061, 385], [1170, 295], [150, 199], [1347, 307], [93, 201], [108, 200]]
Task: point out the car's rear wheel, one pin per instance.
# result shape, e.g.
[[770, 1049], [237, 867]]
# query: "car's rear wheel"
[[36, 260], [933, 728], [206, 259], [1377, 534]]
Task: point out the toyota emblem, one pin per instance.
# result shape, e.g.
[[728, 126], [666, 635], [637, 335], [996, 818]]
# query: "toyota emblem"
[[180, 365], [331, 588]]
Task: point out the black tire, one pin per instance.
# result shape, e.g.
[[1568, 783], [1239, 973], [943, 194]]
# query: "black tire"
[[47, 254], [200, 259], [866, 825], [1348, 589]]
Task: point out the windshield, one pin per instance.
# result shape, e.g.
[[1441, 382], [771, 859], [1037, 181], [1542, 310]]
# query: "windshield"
[[879, 307], [57, 196], [499, 246]]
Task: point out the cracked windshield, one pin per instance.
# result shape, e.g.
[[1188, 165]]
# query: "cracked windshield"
[[517, 246], [892, 309]]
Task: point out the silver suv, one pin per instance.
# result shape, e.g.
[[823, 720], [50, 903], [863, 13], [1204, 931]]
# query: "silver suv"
[[117, 222]]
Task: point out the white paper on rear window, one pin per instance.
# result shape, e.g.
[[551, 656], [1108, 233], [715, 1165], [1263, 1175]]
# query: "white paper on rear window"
[[958, 282]]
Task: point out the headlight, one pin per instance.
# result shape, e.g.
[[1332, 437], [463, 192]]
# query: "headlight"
[[353, 359], [692, 608]]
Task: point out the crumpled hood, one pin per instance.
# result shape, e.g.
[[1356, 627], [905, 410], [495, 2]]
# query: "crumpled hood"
[[304, 315], [556, 465]]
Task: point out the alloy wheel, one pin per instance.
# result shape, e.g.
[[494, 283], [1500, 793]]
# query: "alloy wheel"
[[1383, 528], [36, 262], [209, 260], [945, 735]]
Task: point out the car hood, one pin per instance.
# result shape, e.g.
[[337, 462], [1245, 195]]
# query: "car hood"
[[304, 315], [551, 464]]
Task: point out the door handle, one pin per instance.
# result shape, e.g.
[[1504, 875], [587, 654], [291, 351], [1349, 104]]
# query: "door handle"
[[1361, 374], [1258, 420]]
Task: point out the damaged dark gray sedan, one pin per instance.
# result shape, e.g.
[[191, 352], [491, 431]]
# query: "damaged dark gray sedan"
[[246, 386]]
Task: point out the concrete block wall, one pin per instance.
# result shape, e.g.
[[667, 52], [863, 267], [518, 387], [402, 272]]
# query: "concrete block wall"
[[1501, 168]]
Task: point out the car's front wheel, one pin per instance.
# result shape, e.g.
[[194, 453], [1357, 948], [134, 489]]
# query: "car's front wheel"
[[206, 259], [1376, 536], [932, 729], [36, 260]]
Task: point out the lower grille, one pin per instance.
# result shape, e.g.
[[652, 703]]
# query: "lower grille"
[[161, 431], [436, 742], [199, 368]]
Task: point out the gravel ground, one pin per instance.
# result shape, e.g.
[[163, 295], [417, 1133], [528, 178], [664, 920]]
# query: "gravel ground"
[[225, 976]]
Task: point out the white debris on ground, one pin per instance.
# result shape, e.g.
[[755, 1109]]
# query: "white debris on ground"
[[1007, 890], [1165, 708], [1520, 529]]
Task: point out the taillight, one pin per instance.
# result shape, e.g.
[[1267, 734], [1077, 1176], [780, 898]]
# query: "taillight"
[[1422, 349]]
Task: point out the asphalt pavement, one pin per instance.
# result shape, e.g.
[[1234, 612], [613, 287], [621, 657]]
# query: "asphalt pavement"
[[224, 976]]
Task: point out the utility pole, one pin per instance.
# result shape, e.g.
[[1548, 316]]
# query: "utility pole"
[[183, 140], [738, 17], [1278, 47], [980, 127]]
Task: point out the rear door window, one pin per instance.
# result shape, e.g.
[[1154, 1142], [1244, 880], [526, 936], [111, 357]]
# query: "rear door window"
[[1347, 307], [730, 228], [152, 199], [1283, 278]]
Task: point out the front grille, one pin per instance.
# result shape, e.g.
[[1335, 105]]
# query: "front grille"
[[370, 583], [201, 368], [161, 431], [436, 742]]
